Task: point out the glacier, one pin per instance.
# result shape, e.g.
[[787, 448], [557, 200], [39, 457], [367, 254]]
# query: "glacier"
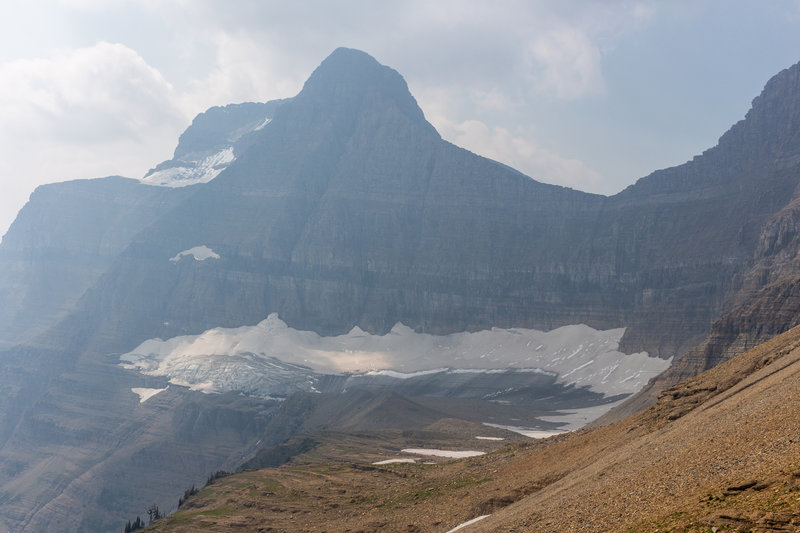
[[192, 171], [273, 359]]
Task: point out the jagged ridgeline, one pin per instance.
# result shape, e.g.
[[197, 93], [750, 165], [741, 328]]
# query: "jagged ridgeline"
[[337, 209]]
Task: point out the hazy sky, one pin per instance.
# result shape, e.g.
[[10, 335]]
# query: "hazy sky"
[[591, 94]]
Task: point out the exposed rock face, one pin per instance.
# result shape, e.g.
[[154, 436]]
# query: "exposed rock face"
[[222, 127], [346, 208], [764, 297], [768, 312], [64, 238], [771, 311]]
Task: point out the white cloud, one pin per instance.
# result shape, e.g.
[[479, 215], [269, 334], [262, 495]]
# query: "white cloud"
[[566, 63], [81, 113], [245, 68], [522, 152], [449, 42], [87, 95], [91, 5]]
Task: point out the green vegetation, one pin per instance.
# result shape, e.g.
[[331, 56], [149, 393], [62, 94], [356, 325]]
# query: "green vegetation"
[[135, 525], [188, 492], [217, 475]]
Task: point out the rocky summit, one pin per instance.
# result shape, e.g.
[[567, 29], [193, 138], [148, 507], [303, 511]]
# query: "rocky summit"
[[343, 212]]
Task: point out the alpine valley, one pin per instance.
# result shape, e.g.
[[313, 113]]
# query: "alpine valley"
[[315, 284]]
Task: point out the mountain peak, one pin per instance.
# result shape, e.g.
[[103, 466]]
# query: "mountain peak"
[[775, 114], [350, 65], [353, 57], [352, 78], [770, 126], [769, 131]]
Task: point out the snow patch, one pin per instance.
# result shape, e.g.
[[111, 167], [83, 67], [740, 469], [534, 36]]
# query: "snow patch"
[[191, 172], [199, 253], [577, 418], [145, 394], [261, 126], [392, 461], [490, 438], [454, 454], [528, 432], [469, 523]]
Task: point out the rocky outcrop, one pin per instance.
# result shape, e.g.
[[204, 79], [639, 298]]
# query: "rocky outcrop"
[[764, 296], [768, 312]]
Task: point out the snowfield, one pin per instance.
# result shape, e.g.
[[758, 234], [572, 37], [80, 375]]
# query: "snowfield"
[[393, 461], [271, 358], [199, 253]]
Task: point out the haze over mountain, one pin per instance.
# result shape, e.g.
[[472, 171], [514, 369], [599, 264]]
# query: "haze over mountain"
[[591, 94], [343, 211]]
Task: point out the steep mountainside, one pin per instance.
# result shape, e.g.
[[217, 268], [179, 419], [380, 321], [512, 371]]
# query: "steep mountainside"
[[64, 238], [765, 314], [343, 207], [710, 220], [348, 209]]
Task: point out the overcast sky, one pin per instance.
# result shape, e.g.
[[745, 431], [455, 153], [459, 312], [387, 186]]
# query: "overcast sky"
[[591, 94]]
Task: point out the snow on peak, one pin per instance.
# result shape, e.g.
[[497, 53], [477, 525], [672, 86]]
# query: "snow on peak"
[[191, 172], [199, 253]]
